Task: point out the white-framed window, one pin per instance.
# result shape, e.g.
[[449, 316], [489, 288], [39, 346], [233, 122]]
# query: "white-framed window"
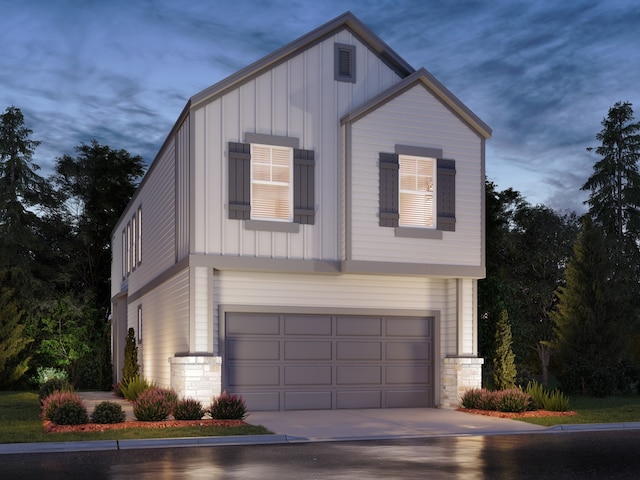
[[132, 244], [139, 324], [417, 187], [271, 182], [139, 236]]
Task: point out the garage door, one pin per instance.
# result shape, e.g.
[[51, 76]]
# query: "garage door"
[[295, 362]]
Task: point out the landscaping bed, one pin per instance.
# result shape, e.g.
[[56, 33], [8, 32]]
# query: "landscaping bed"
[[525, 414], [50, 427]]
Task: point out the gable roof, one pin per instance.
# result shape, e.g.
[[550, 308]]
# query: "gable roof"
[[422, 77], [345, 21]]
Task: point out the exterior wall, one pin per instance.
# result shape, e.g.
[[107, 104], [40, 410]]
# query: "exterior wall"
[[182, 193], [415, 118], [165, 330], [297, 98]]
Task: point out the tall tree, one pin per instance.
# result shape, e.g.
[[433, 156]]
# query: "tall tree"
[[22, 193], [504, 370], [96, 186], [12, 339], [614, 201], [592, 325]]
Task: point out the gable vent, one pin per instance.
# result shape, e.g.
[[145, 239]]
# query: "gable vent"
[[345, 63]]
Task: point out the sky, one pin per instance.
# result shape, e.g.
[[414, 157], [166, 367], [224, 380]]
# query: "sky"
[[542, 74]]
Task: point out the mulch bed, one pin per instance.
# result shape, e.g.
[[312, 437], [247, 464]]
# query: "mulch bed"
[[527, 414], [50, 427]]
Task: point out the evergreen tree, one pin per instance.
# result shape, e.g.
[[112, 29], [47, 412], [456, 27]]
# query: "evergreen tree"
[[592, 324], [504, 368], [12, 339], [130, 367]]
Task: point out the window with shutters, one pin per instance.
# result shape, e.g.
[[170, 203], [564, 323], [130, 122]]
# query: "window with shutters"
[[271, 179], [417, 191], [345, 62]]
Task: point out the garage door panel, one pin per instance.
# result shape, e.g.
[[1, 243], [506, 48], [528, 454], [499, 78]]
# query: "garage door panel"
[[359, 375], [307, 350], [359, 399], [320, 400], [407, 398], [358, 351], [358, 326], [306, 375], [253, 375], [407, 374], [307, 325], [407, 351], [260, 401], [409, 327], [253, 350], [253, 324]]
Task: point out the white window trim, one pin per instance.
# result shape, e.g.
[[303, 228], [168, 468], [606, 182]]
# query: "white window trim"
[[432, 193]]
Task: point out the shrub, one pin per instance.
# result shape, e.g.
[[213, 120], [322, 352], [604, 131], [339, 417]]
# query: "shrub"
[[154, 404], [471, 398], [555, 401], [132, 387], [131, 367], [228, 407], [64, 408], [486, 400], [53, 385], [511, 400], [537, 393], [44, 374], [188, 409], [108, 412]]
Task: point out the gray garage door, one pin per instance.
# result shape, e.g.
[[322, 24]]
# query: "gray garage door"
[[293, 362]]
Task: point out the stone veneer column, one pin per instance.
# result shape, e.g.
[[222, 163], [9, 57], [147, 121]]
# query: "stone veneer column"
[[459, 374], [198, 377]]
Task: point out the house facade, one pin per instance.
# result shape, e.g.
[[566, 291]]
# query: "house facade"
[[310, 235]]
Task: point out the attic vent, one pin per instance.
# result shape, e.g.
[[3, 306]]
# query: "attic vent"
[[345, 63]]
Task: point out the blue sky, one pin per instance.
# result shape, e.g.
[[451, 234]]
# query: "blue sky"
[[542, 74]]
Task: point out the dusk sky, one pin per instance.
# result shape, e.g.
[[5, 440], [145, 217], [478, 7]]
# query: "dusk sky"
[[542, 74]]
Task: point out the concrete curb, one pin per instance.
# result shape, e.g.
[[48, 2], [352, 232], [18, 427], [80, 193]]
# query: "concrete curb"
[[102, 445]]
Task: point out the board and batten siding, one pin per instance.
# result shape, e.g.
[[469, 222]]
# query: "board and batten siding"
[[297, 98], [165, 326], [182, 193], [346, 294], [415, 118]]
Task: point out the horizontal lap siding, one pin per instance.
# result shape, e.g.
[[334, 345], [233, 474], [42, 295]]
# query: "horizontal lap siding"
[[165, 313], [415, 118], [298, 98]]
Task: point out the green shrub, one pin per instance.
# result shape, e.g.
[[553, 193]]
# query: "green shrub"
[[188, 409], [108, 412], [44, 374], [53, 385], [131, 388], [228, 407], [555, 400], [154, 404], [511, 400], [64, 408]]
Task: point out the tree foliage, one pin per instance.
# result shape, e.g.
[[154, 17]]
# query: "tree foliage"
[[12, 339], [504, 367], [130, 367]]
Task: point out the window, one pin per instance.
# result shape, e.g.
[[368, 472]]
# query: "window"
[[345, 63], [132, 244], [417, 188], [271, 179], [139, 324]]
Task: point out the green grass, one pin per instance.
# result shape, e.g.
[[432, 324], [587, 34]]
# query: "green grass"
[[20, 422], [612, 409]]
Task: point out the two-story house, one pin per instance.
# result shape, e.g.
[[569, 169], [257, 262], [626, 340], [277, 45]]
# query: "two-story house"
[[310, 235]]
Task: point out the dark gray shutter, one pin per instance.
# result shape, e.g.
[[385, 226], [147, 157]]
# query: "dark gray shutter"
[[239, 181], [304, 186], [446, 195], [345, 62], [389, 215]]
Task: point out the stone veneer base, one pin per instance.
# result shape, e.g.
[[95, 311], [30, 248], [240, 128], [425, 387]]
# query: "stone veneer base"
[[459, 374], [197, 376]]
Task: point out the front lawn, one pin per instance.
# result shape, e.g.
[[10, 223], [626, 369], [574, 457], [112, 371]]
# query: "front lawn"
[[612, 409], [20, 422]]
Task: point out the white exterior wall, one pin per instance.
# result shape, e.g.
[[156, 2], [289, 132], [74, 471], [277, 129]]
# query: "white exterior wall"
[[165, 326], [182, 193], [415, 118], [298, 98]]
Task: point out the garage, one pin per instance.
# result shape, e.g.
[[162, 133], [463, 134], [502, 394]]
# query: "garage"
[[308, 362]]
